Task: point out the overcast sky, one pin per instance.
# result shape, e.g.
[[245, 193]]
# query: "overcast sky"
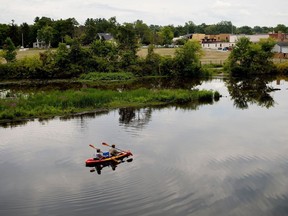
[[160, 12]]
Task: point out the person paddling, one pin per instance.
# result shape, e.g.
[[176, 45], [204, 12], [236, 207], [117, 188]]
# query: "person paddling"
[[113, 151], [98, 154]]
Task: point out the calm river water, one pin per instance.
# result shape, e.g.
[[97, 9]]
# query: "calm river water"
[[225, 158]]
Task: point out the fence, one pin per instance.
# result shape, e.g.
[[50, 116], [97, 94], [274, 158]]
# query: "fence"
[[214, 61]]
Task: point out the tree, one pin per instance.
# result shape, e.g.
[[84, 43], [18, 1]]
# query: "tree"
[[201, 28], [258, 30], [251, 58], [61, 56], [281, 28], [224, 27], [267, 29], [143, 32], [45, 34], [245, 30], [9, 50], [42, 22], [187, 59], [63, 28], [90, 31], [211, 29], [152, 62], [103, 48], [4, 29], [166, 33], [14, 34], [128, 44], [189, 27]]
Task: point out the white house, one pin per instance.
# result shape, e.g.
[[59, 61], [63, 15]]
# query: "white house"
[[217, 45], [253, 38], [39, 44]]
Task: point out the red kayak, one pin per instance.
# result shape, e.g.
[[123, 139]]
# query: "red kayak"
[[91, 162]]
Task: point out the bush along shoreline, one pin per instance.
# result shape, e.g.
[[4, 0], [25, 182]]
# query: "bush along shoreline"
[[104, 57], [59, 103]]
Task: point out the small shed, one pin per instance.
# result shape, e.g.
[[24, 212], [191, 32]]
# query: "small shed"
[[281, 47]]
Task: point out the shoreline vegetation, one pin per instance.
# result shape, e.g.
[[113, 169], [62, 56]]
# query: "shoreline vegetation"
[[69, 102], [106, 62]]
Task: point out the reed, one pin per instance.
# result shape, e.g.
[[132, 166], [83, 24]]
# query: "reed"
[[43, 104]]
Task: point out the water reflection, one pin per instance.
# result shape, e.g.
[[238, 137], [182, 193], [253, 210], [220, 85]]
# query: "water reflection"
[[243, 92], [254, 90], [214, 160], [135, 117], [150, 83], [111, 164], [11, 124]]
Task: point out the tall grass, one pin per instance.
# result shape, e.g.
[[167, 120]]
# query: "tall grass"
[[282, 68], [43, 104]]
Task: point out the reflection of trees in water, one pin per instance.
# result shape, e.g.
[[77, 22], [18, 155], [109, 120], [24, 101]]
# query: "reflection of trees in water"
[[138, 118], [168, 83], [135, 117], [253, 90], [12, 124]]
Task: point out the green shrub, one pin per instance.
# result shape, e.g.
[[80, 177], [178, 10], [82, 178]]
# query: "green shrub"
[[217, 96]]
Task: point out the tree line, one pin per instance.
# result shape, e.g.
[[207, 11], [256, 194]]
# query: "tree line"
[[86, 53], [63, 30], [100, 56]]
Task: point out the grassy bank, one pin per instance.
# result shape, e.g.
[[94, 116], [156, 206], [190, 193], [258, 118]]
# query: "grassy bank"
[[48, 104]]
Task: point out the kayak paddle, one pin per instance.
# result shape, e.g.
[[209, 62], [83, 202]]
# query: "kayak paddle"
[[105, 144]]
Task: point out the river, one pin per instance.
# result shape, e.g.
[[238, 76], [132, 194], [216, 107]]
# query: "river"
[[225, 158]]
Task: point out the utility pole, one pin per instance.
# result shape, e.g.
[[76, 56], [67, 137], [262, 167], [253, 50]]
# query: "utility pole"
[[22, 41]]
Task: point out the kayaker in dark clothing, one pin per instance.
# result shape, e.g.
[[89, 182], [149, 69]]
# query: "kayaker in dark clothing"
[[98, 154], [113, 151]]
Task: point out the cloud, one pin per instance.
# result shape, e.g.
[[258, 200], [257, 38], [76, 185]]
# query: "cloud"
[[151, 12], [222, 5]]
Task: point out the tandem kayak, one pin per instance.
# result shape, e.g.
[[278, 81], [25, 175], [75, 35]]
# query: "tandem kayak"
[[91, 162]]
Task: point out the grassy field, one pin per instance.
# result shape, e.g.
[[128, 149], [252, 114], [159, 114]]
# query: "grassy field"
[[210, 56], [29, 52]]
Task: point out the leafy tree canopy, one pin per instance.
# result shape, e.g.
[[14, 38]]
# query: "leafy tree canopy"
[[251, 58], [9, 50]]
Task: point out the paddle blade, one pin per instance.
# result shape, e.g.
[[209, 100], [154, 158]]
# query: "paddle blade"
[[105, 144], [92, 146]]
